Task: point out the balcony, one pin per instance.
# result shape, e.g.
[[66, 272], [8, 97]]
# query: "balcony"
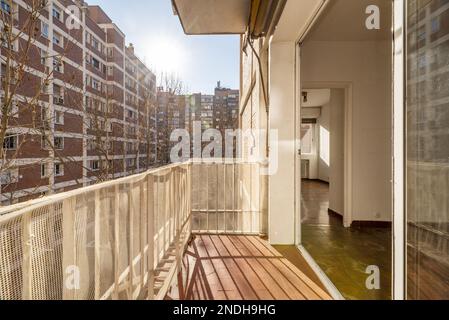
[[185, 231]]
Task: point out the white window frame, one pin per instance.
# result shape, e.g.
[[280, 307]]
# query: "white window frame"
[[61, 170], [60, 148], [58, 39], [59, 117], [57, 13], [15, 138], [45, 26]]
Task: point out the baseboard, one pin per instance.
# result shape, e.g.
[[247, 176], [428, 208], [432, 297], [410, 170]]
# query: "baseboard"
[[316, 180], [371, 224], [330, 287], [335, 214]]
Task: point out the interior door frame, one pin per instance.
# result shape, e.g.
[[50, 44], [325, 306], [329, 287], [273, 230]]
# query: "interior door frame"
[[399, 252]]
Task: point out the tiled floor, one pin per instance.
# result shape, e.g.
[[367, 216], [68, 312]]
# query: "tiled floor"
[[344, 253], [243, 268]]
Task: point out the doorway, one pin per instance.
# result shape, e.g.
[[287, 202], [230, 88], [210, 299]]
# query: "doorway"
[[346, 162]]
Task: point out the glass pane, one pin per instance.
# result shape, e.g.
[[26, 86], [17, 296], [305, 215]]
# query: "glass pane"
[[428, 149], [346, 197], [306, 138]]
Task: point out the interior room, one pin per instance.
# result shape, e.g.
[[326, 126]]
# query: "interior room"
[[346, 148]]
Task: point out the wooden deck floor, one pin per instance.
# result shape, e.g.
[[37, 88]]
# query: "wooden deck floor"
[[242, 268]]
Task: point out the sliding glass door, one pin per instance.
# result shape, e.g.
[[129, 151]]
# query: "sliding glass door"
[[427, 149]]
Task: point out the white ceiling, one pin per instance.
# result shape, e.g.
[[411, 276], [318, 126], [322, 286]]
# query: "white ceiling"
[[344, 20], [316, 98], [294, 19]]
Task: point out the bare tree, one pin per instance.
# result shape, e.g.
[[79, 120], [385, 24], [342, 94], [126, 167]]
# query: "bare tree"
[[27, 75]]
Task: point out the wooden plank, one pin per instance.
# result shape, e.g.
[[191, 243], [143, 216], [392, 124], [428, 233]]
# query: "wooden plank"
[[297, 281], [210, 248], [283, 282], [250, 247], [261, 247], [229, 245], [243, 285], [222, 272], [269, 282], [256, 283], [236, 241], [306, 279], [266, 245]]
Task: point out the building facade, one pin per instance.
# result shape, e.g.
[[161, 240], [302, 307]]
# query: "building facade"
[[84, 109]]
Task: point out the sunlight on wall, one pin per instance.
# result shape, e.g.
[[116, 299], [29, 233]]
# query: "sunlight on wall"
[[325, 145]]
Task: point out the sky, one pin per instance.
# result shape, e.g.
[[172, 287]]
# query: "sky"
[[158, 38]]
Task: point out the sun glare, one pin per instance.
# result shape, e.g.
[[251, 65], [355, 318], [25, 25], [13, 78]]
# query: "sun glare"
[[165, 55]]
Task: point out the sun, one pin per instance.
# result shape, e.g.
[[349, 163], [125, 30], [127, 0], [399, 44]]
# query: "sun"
[[166, 55]]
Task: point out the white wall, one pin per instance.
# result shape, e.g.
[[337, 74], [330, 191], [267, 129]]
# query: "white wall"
[[337, 151], [282, 183], [367, 66]]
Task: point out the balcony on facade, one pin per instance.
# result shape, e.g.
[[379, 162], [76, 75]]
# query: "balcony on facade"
[[185, 231]]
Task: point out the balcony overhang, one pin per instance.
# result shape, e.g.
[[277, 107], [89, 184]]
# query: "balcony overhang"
[[202, 17]]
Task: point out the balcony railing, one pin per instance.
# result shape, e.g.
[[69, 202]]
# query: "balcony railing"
[[122, 239], [225, 197]]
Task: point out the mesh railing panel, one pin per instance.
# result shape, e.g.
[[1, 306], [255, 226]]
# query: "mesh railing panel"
[[99, 242], [225, 197]]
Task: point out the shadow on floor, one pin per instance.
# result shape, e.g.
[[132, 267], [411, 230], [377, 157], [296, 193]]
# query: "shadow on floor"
[[242, 268]]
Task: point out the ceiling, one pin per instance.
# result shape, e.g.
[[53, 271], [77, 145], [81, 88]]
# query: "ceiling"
[[213, 16], [344, 20], [316, 98]]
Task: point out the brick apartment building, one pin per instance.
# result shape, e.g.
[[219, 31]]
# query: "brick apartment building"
[[218, 111], [85, 110], [171, 115]]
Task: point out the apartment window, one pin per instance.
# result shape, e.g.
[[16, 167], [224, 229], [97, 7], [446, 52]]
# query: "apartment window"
[[95, 165], [57, 39], [57, 13], [58, 95], [6, 7], [10, 176], [59, 143], [10, 142], [44, 29], [110, 52], [95, 43], [91, 145], [44, 55], [12, 45], [96, 84], [13, 108], [45, 86], [44, 173], [131, 162], [59, 169], [307, 138], [59, 117], [58, 65], [96, 63], [44, 142], [110, 71], [109, 126]]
